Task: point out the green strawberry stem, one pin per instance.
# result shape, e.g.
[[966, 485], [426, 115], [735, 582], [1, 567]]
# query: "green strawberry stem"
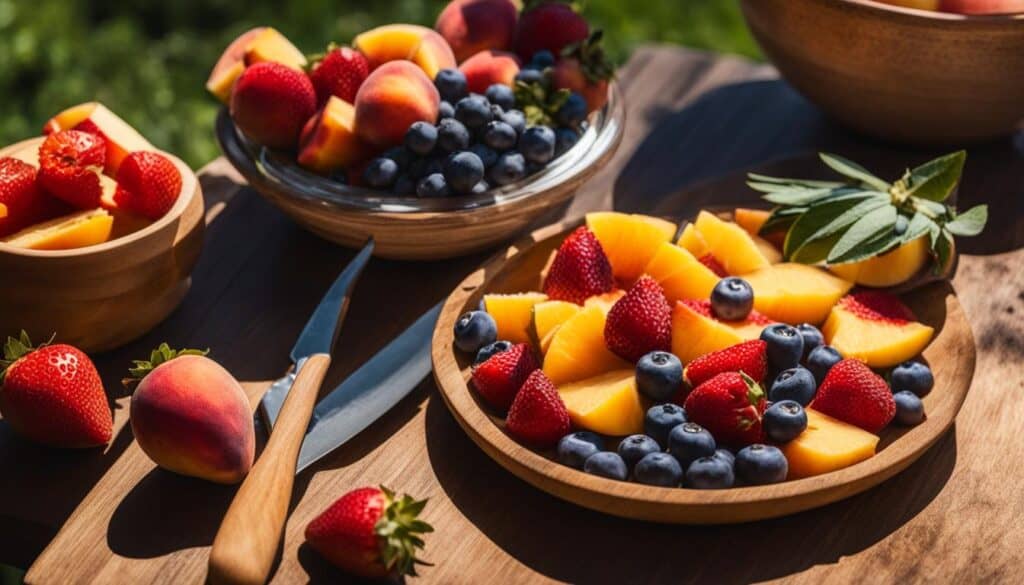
[[15, 349], [158, 356], [593, 62], [399, 528]]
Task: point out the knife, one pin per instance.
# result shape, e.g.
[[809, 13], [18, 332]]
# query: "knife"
[[246, 543]]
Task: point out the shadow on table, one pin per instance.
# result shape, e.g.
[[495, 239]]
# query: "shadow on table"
[[573, 544]]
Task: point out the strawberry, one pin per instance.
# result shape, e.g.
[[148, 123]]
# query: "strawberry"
[[70, 163], [23, 201], [370, 533], [749, 357], [339, 72], [52, 394], [538, 416], [640, 322], [548, 25], [714, 265], [580, 269], [271, 102], [854, 394], [148, 184], [729, 406], [499, 378], [585, 70]]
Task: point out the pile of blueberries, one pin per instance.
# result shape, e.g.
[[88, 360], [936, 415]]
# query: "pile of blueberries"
[[479, 141]]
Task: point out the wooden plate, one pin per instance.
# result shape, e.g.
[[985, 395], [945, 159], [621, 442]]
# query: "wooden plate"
[[951, 356]]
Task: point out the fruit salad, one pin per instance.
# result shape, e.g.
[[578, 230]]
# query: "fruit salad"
[[93, 179], [489, 96]]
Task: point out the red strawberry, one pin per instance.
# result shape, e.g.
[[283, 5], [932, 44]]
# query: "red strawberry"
[[729, 406], [148, 184], [854, 394], [25, 203], [70, 164], [713, 264], [271, 102], [499, 378], [640, 322], [585, 70], [749, 357], [341, 71], [538, 416], [580, 269], [370, 533], [548, 25], [53, 395]]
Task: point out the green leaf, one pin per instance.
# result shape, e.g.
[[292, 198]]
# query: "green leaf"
[[936, 179], [863, 205], [880, 244], [863, 231], [793, 182], [850, 169], [797, 196], [919, 225], [970, 222], [161, 355], [822, 214], [781, 218], [943, 247]]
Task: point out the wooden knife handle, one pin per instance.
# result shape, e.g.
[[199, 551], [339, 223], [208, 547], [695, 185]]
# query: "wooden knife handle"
[[246, 543]]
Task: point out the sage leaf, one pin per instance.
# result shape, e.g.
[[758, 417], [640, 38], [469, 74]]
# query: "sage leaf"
[[815, 252], [920, 224], [850, 169], [936, 179], [869, 226], [792, 182], [932, 209], [862, 206], [943, 251], [880, 244], [970, 222], [781, 217], [815, 218], [798, 196]]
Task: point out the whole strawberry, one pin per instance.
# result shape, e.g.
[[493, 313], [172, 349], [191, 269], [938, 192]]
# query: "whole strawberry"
[[585, 70], [370, 533], [25, 203], [550, 25], [749, 357], [730, 407], [499, 378], [580, 269], [538, 416], [148, 184], [340, 73], [52, 394], [70, 164], [271, 102], [854, 394], [640, 322]]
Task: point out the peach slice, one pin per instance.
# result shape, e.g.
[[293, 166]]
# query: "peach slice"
[[253, 46], [487, 68], [3, 211], [547, 317], [433, 54], [827, 445], [629, 241], [875, 327], [410, 42], [606, 300], [513, 314], [608, 403], [78, 230], [733, 247], [577, 350], [95, 118], [271, 45], [889, 269], [696, 332], [680, 274], [752, 220], [796, 293], [329, 141], [691, 241]]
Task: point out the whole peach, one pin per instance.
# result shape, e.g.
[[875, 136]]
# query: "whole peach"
[[394, 96], [471, 26]]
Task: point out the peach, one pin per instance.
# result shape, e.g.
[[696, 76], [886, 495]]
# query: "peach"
[[190, 416], [394, 96], [889, 269], [796, 293], [629, 240], [608, 403], [827, 445], [875, 327], [696, 332], [329, 142], [680, 274], [737, 251], [253, 46], [411, 42], [78, 230], [433, 54], [752, 220], [486, 68], [471, 26], [513, 314], [95, 118], [578, 351], [547, 317]]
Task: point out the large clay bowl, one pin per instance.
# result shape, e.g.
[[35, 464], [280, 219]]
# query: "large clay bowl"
[[902, 74], [951, 356], [101, 297]]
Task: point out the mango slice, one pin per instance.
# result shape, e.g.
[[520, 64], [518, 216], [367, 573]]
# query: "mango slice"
[[680, 274], [629, 241], [796, 293], [78, 230], [608, 404], [826, 445], [733, 247], [513, 314], [577, 350]]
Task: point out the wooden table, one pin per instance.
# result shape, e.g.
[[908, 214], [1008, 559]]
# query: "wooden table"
[[952, 516]]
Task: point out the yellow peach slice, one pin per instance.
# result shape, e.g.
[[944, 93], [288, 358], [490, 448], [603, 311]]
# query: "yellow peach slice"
[[608, 404], [680, 274], [826, 445], [78, 230], [629, 241], [733, 247], [93, 117], [577, 350], [513, 314], [3, 211], [331, 142], [606, 300], [271, 45], [691, 241], [889, 269], [875, 327], [548, 316], [796, 293], [695, 332]]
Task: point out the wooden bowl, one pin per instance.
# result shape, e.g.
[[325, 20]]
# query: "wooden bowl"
[[902, 74], [951, 356], [101, 297], [410, 228]]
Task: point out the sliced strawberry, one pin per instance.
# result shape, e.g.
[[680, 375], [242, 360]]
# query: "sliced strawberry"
[[854, 394], [749, 357], [24, 202], [538, 416], [70, 164], [499, 378], [640, 322], [340, 73], [148, 184], [580, 269], [730, 407]]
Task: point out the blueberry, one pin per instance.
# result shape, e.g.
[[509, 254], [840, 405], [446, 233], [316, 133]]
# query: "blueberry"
[[473, 111], [451, 84], [499, 135], [502, 95], [909, 408], [486, 154], [575, 448], [710, 473], [690, 441], [462, 171], [821, 359], [661, 419], [784, 421], [914, 376], [634, 447], [422, 167], [516, 119], [606, 464], [659, 375], [474, 330], [542, 59], [538, 144], [509, 168], [481, 187], [785, 346], [491, 349], [659, 469], [726, 455], [445, 110], [433, 185], [421, 138], [573, 111], [400, 155], [812, 337], [452, 135], [404, 186], [565, 138], [760, 464], [380, 173], [533, 168], [795, 384], [530, 76], [732, 299]]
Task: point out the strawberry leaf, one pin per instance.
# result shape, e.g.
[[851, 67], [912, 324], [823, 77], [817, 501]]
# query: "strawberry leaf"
[[398, 530], [755, 394], [17, 348], [161, 355]]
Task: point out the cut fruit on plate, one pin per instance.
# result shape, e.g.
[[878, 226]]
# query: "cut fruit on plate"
[[577, 350], [513, 314], [605, 301], [731, 245], [826, 445], [696, 332], [549, 316], [796, 293], [629, 241], [889, 269], [608, 404], [680, 274], [79, 230], [875, 327], [95, 118]]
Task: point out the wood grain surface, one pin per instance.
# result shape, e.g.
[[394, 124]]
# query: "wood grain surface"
[[951, 516]]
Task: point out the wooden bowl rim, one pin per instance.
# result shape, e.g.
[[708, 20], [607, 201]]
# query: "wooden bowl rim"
[[540, 471], [189, 188], [944, 17]]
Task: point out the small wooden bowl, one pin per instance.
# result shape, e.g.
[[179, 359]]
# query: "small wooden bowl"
[[897, 73], [951, 356], [101, 297]]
